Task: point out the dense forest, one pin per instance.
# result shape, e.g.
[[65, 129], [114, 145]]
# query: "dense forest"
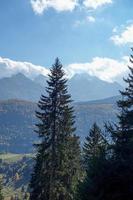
[[63, 169]]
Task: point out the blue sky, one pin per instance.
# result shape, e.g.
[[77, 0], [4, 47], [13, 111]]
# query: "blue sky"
[[76, 31]]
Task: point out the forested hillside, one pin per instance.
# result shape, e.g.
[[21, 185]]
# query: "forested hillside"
[[17, 121]]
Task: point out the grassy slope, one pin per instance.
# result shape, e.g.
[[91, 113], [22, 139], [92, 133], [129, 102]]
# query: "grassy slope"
[[10, 157]]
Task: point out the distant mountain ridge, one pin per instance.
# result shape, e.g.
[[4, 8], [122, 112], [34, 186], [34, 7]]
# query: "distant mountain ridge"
[[82, 87], [19, 87]]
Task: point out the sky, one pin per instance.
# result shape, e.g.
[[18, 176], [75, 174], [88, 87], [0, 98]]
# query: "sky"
[[91, 36]]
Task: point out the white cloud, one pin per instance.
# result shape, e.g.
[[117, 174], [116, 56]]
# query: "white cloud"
[[91, 19], [106, 69], [94, 4], [39, 6], [9, 67], [124, 37]]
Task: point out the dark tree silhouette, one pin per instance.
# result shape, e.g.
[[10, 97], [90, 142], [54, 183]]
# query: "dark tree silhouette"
[[58, 153]]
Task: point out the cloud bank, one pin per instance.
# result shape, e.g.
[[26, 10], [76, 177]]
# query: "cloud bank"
[[39, 6], [9, 67], [104, 68], [125, 37]]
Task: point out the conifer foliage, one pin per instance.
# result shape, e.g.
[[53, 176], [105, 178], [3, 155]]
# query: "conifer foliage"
[[110, 175], [119, 180], [58, 154], [123, 135], [94, 145], [94, 158]]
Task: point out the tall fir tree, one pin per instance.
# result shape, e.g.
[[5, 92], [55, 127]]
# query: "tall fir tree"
[[94, 159], [123, 136], [58, 154], [121, 171], [94, 145], [118, 182]]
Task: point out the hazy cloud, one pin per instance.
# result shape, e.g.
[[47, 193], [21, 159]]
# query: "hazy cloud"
[[88, 19], [91, 19], [94, 4]]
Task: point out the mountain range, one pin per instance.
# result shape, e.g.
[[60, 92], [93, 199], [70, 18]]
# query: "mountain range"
[[82, 87], [18, 97], [19, 87]]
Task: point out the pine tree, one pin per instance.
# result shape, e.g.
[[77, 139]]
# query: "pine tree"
[[58, 154], [119, 175], [123, 135], [94, 145], [94, 159]]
